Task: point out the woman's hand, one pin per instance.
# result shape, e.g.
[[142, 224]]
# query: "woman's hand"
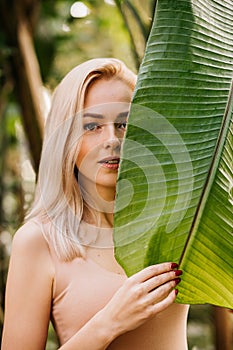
[[141, 297]]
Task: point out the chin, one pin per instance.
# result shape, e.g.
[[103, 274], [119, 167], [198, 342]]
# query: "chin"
[[110, 183]]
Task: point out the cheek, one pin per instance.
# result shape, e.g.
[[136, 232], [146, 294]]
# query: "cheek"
[[87, 152], [82, 153]]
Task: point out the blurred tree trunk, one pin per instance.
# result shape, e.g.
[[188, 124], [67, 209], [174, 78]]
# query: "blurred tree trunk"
[[223, 329], [137, 27], [18, 20]]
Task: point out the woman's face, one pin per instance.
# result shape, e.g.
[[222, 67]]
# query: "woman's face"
[[104, 123]]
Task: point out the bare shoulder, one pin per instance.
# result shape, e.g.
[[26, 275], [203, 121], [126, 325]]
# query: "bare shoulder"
[[29, 244], [29, 290], [30, 235]]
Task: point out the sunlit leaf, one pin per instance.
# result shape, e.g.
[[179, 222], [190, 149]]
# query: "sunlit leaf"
[[174, 194]]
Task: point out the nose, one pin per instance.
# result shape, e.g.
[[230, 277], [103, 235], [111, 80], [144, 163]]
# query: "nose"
[[112, 139]]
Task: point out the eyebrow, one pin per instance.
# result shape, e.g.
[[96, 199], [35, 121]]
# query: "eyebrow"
[[100, 116], [123, 114], [93, 115]]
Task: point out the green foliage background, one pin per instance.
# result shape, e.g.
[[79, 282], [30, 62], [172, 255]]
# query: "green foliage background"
[[61, 42]]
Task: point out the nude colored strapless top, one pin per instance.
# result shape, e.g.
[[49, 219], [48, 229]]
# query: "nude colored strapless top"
[[82, 288]]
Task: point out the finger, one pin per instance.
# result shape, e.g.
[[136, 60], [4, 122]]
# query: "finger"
[[151, 271], [159, 280], [163, 304], [161, 292]]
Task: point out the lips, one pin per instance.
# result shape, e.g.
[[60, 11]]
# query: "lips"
[[110, 162]]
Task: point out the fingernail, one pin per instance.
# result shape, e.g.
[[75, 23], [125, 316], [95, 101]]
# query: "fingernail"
[[178, 272], [174, 266], [176, 291], [177, 280]]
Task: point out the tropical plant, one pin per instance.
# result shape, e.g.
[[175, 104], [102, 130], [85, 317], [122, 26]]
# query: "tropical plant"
[[174, 193]]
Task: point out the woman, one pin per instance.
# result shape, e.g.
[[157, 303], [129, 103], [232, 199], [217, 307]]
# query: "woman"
[[62, 264]]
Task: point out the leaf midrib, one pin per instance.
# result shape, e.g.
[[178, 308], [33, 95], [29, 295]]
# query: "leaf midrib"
[[212, 171]]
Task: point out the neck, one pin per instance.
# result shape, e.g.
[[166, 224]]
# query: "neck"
[[97, 218], [99, 202]]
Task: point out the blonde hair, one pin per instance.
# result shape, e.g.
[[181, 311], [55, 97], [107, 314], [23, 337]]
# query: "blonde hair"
[[58, 196]]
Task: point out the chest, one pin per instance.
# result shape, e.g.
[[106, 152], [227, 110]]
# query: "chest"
[[85, 286], [82, 288]]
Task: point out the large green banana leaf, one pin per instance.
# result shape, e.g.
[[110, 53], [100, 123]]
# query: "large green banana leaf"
[[174, 192]]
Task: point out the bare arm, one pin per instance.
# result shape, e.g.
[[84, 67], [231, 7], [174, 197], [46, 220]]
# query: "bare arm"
[[29, 295], [28, 292], [140, 298]]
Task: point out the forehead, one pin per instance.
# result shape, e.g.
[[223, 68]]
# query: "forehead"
[[107, 91]]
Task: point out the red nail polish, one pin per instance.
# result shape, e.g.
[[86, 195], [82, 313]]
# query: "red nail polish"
[[177, 280], [176, 291], [174, 266], [178, 272]]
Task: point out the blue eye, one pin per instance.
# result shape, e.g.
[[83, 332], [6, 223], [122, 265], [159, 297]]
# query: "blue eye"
[[90, 126]]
